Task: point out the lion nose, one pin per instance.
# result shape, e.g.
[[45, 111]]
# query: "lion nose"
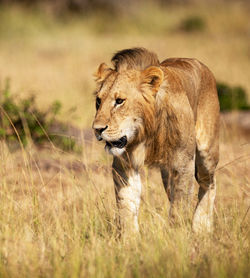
[[99, 129]]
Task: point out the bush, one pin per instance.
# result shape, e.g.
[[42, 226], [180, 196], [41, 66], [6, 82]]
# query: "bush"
[[23, 121], [232, 98], [192, 24]]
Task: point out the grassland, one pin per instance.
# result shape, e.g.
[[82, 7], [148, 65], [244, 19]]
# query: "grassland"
[[57, 209]]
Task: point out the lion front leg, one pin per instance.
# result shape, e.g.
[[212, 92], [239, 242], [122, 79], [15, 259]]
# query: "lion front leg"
[[128, 195]]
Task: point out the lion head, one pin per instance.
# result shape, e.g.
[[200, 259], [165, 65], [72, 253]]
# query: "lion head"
[[125, 99]]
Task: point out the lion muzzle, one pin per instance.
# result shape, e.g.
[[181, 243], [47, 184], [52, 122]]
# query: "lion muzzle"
[[121, 143]]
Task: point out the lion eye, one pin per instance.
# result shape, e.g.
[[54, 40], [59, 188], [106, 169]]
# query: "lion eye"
[[97, 103], [119, 101]]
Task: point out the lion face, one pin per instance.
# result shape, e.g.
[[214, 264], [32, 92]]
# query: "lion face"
[[120, 108], [118, 115]]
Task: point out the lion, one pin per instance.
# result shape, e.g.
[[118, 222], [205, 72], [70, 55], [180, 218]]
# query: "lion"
[[164, 115]]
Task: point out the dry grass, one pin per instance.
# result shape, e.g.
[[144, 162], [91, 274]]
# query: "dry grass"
[[57, 209], [57, 220]]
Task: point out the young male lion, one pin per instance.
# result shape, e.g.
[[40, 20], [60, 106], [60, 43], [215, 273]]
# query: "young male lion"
[[159, 114]]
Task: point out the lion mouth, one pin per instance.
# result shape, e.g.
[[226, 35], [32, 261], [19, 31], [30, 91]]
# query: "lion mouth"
[[121, 143]]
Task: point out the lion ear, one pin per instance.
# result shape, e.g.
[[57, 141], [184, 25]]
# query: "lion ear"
[[152, 77], [102, 72]]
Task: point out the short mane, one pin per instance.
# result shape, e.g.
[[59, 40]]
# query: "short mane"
[[134, 58]]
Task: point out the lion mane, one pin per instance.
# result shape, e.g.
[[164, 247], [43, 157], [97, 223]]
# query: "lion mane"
[[157, 115], [136, 58]]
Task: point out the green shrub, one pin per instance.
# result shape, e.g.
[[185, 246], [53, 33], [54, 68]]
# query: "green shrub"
[[22, 121], [192, 24], [232, 98]]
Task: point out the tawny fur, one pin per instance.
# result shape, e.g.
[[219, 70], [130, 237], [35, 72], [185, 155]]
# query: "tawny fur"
[[170, 113]]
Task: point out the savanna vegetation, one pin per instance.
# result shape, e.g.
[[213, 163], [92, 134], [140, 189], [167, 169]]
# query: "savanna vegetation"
[[57, 204]]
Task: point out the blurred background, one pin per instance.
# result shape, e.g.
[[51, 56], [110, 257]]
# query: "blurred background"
[[50, 49]]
